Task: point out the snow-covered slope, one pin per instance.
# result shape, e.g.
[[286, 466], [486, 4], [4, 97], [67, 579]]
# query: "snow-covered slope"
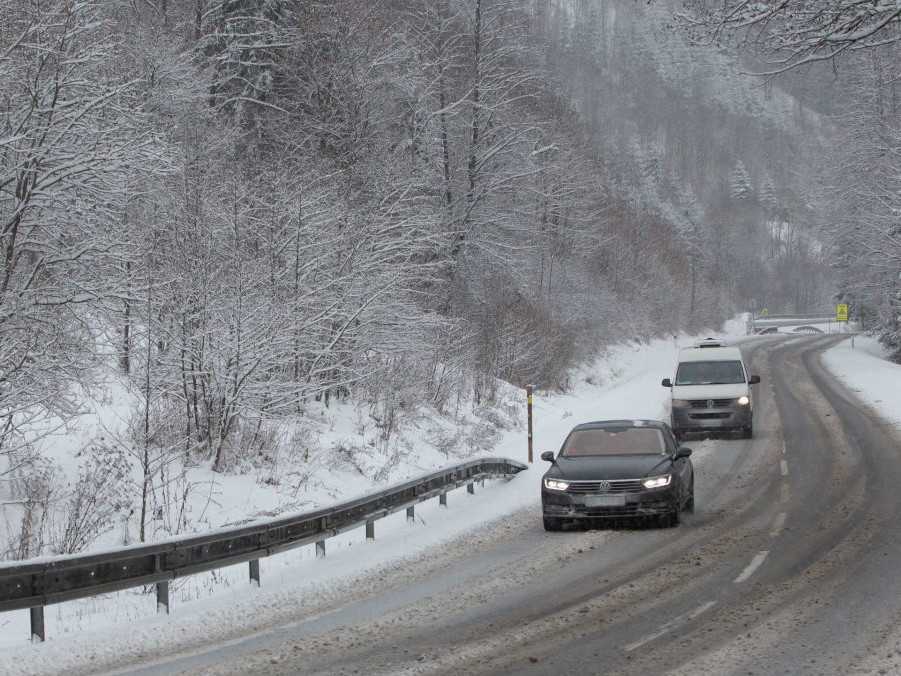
[[623, 382]]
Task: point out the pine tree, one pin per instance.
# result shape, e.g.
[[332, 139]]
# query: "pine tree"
[[740, 182]]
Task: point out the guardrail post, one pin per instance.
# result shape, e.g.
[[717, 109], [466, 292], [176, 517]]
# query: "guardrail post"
[[37, 624], [370, 530], [162, 596], [255, 572], [320, 549], [411, 513], [471, 488], [442, 499]]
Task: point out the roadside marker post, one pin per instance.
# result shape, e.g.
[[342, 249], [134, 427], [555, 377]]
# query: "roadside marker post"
[[529, 410]]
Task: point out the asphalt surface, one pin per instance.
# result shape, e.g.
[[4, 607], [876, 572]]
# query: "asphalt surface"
[[790, 565]]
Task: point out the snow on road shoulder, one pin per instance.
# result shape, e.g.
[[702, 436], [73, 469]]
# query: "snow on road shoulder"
[[865, 369], [623, 383]]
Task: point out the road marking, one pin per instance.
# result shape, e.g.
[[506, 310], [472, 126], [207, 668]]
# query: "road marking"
[[786, 492], [669, 626], [756, 562], [784, 467], [783, 448], [778, 524]]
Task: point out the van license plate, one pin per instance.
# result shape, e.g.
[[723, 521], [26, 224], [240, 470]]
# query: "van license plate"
[[605, 500]]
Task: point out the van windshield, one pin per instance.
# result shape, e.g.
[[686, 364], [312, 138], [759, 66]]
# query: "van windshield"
[[710, 373]]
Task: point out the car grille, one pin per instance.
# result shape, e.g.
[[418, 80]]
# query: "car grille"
[[633, 509], [606, 487], [717, 403], [710, 416]]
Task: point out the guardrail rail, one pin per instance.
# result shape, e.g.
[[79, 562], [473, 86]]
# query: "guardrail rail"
[[40, 582], [760, 323]]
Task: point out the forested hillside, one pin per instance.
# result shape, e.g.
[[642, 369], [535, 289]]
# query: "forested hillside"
[[248, 206], [840, 57]]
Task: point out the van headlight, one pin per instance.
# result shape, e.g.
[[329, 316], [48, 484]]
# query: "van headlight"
[[744, 400], [556, 484], [658, 481]]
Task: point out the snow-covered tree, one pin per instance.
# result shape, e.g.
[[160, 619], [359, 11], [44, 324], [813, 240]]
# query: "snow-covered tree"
[[740, 187]]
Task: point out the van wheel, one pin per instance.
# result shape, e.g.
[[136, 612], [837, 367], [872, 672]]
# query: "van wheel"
[[748, 432]]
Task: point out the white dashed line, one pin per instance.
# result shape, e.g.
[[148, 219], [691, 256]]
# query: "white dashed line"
[[783, 466], [669, 626], [778, 524], [756, 562], [783, 448], [786, 492]]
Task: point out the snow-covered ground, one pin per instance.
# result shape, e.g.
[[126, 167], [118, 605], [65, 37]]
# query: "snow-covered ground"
[[864, 368], [622, 383]]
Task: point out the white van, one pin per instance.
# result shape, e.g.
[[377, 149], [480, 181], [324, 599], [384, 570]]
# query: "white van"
[[711, 391]]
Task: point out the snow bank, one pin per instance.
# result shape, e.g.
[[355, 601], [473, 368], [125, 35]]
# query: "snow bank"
[[864, 368]]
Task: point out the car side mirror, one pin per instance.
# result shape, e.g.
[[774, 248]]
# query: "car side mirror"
[[754, 380], [548, 456], [667, 382], [682, 452]]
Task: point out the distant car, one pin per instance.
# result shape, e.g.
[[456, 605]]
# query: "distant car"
[[616, 469], [710, 342]]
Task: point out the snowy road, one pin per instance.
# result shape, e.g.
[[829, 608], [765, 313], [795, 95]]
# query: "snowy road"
[[789, 566]]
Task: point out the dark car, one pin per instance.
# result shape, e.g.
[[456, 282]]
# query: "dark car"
[[617, 469]]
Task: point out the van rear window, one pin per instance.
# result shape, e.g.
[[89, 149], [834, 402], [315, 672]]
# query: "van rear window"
[[710, 373]]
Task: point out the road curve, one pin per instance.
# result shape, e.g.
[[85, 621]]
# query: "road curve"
[[790, 565]]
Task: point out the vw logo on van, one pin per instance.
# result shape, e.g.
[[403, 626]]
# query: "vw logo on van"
[[603, 485]]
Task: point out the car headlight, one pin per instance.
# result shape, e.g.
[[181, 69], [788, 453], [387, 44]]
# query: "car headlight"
[[556, 484], [681, 403], [744, 400], [657, 481]]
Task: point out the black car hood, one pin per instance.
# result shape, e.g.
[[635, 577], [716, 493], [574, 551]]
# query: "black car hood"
[[610, 467]]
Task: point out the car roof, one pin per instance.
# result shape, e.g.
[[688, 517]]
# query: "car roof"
[[710, 354], [601, 424]]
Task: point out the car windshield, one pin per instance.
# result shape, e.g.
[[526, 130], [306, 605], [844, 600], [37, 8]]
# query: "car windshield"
[[614, 441], [710, 373]]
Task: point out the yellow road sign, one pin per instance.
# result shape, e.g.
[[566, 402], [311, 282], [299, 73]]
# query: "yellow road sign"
[[841, 312]]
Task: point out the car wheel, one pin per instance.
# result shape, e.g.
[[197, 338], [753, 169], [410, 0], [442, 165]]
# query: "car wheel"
[[669, 520], [748, 432], [690, 503], [552, 524]]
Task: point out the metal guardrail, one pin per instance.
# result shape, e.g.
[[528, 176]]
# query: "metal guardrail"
[[757, 323], [40, 582]]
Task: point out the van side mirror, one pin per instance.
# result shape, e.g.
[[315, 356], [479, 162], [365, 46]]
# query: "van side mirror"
[[754, 380], [548, 456], [667, 382], [682, 452]]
